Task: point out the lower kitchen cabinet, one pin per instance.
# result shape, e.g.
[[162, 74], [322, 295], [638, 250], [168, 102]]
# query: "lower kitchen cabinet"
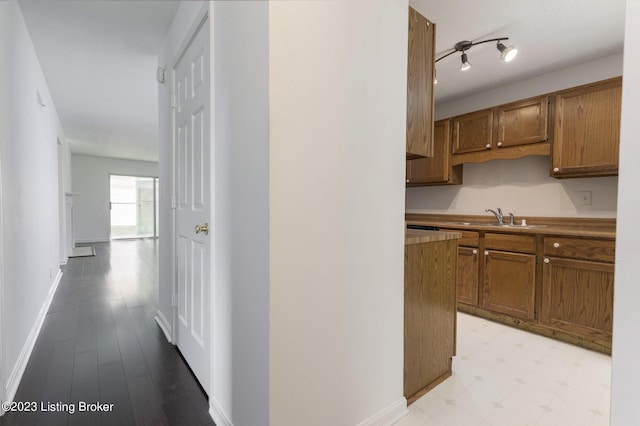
[[509, 283], [467, 276], [429, 315], [577, 297], [549, 280]]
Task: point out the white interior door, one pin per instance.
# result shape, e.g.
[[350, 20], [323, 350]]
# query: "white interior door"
[[193, 204]]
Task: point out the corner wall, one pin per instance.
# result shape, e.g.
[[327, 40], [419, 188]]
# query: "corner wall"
[[90, 180], [30, 195], [240, 128], [337, 149], [524, 185], [625, 383]]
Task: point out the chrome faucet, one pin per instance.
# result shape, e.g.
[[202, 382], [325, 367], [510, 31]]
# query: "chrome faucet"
[[498, 215]]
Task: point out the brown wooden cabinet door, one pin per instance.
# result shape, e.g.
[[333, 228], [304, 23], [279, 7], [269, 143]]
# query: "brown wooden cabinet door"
[[577, 296], [509, 283], [522, 123], [467, 276], [587, 130], [420, 69], [436, 169], [473, 132]]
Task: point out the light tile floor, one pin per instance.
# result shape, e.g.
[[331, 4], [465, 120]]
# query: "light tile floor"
[[503, 376]]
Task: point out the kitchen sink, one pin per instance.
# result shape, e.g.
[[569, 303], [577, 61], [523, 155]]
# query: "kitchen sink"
[[505, 225]]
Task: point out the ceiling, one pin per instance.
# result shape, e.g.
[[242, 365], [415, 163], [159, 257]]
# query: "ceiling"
[[99, 57], [549, 35]]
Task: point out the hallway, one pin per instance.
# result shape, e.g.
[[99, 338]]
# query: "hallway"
[[100, 343]]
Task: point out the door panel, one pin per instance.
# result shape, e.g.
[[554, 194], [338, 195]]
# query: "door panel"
[[193, 207]]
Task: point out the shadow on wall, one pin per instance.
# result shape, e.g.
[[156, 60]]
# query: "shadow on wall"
[[522, 186]]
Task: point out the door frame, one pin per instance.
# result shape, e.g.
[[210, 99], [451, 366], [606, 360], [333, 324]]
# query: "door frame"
[[2, 341]]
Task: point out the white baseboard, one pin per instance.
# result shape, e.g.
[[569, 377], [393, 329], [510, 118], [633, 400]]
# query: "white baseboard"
[[23, 358], [217, 414], [164, 326], [92, 240], [389, 415]]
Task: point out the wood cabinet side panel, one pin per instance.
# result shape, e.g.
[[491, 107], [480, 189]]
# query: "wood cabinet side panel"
[[430, 310], [420, 68]]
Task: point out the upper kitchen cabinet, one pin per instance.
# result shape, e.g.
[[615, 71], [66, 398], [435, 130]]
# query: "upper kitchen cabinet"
[[420, 69], [521, 123], [473, 132], [503, 132], [436, 170], [587, 130]]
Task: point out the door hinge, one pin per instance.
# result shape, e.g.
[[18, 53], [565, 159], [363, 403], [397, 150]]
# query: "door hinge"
[[174, 301], [173, 202], [173, 101]]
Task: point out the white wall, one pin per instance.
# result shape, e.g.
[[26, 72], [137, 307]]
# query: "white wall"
[[29, 153], [522, 186], [625, 385], [240, 64], [338, 111], [90, 179]]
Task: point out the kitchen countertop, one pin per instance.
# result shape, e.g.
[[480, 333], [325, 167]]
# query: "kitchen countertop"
[[418, 236], [578, 227]]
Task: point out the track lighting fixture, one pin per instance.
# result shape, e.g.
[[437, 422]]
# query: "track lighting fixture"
[[507, 53]]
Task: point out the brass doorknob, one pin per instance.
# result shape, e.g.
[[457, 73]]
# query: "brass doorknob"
[[202, 228]]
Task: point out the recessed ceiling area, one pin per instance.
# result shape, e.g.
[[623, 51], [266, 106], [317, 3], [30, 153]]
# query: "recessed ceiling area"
[[549, 34], [99, 59]]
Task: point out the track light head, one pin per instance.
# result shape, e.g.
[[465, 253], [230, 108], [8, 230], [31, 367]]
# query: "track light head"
[[507, 53], [465, 63]]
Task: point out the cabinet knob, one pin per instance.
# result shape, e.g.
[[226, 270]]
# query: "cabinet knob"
[[407, 180], [546, 260], [556, 245], [499, 143], [556, 170], [474, 251], [486, 253], [488, 146]]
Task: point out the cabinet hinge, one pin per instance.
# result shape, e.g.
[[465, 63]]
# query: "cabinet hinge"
[[173, 101], [173, 202], [174, 301]]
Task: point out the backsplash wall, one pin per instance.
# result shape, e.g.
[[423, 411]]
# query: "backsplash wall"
[[522, 186]]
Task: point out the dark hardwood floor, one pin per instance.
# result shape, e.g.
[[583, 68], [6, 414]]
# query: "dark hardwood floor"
[[100, 343]]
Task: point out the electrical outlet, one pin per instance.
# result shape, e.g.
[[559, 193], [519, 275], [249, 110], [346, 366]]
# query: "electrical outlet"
[[585, 198]]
